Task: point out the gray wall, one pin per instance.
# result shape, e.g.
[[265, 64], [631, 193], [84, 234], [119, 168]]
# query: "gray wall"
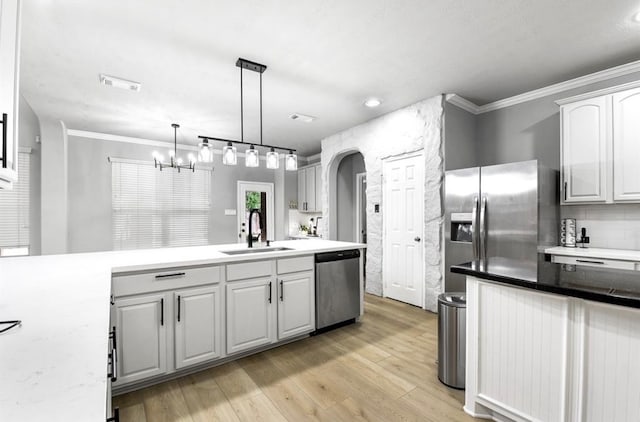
[[89, 192], [29, 128], [459, 138], [346, 189], [529, 130]]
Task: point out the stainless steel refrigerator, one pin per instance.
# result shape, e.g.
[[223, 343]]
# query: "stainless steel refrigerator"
[[507, 210]]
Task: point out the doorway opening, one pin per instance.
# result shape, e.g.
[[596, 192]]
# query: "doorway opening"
[[255, 195], [351, 217]]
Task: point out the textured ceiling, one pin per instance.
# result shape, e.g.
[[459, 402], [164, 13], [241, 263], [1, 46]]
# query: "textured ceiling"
[[324, 57]]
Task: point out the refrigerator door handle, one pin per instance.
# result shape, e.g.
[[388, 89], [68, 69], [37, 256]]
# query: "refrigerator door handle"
[[483, 228], [475, 236]]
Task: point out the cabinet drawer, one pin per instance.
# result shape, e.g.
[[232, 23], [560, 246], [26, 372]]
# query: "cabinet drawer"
[[294, 265], [165, 280], [595, 262], [247, 270]]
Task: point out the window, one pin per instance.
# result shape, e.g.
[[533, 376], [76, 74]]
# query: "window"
[[14, 212], [153, 208]]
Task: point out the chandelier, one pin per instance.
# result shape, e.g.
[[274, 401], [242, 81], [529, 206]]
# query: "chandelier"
[[174, 161], [251, 154]]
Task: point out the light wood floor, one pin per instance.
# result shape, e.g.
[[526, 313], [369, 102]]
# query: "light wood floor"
[[380, 369]]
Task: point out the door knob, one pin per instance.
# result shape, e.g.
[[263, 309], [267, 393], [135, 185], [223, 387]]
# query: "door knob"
[[417, 239]]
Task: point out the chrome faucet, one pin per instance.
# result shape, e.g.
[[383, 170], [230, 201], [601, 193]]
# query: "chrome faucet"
[[250, 234]]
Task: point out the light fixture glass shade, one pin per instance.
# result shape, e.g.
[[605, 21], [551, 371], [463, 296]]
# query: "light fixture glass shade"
[[273, 159], [251, 158], [291, 161], [205, 152], [229, 155]]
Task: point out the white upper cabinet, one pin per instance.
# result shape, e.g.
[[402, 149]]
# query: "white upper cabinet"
[[585, 139], [309, 189], [9, 94], [626, 145], [197, 319]]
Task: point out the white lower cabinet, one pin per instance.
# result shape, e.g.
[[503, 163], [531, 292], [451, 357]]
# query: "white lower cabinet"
[[296, 304], [141, 329], [197, 325], [250, 314]]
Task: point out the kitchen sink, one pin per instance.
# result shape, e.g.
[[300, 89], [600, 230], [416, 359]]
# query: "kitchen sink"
[[256, 250]]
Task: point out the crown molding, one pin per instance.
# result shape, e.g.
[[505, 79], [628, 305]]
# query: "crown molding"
[[463, 103], [599, 93], [578, 82], [148, 142]]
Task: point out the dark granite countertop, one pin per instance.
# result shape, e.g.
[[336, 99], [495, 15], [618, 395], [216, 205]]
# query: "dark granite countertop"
[[617, 287]]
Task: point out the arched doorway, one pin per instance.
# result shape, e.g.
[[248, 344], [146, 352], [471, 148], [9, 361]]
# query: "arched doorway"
[[350, 216]]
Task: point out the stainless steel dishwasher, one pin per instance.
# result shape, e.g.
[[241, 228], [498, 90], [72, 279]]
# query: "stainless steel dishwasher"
[[337, 287]]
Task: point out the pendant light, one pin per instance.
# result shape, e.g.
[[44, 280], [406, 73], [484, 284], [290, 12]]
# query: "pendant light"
[[273, 159], [174, 161], [291, 161], [229, 155], [205, 153], [252, 156]]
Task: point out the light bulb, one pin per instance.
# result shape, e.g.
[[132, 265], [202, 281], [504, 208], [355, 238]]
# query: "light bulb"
[[251, 158], [291, 161], [156, 155], [229, 155], [179, 161], [192, 158], [172, 153], [273, 160]]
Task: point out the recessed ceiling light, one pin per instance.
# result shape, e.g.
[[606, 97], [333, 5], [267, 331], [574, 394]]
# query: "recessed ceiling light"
[[372, 102], [636, 17], [302, 117], [119, 83]]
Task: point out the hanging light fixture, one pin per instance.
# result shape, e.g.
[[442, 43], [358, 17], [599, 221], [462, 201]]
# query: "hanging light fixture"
[[229, 155], [174, 161], [273, 159], [205, 152], [291, 161], [252, 157]]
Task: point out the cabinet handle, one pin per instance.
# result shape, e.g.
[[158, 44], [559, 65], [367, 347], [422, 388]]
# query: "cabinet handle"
[[281, 291], [178, 308], [4, 139], [116, 415], [113, 356], [112, 337], [162, 311], [270, 292], [159, 276], [565, 191], [587, 261]]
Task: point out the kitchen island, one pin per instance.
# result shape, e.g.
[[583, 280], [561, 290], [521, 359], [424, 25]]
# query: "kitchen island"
[[54, 366], [551, 342]]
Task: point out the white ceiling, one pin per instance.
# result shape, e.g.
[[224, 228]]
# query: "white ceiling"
[[324, 57]]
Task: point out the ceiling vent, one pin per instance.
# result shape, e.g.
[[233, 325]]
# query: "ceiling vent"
[[302, 117], [120, 83]]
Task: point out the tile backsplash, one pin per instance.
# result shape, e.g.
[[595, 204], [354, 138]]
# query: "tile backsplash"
[[615, 226], [297, 218]]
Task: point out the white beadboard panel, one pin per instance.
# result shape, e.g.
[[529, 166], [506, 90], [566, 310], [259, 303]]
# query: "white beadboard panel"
[[611, 365], [522, 350]]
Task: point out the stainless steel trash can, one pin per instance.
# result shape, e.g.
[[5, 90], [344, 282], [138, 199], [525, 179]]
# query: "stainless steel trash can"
[[452, 323]]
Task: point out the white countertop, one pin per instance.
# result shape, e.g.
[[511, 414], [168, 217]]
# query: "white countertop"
[[620, 254], [54, 366]]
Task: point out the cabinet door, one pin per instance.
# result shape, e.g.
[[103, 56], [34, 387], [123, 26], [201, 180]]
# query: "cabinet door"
[[141, 329], [310, 188], [9, 84], [585, 138], [197, 325], [318, 188], [626, 145], [296, 304], [249, 314], [302, 185]]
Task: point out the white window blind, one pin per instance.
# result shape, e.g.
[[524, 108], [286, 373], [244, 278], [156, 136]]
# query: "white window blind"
[[153, 208], [14, 209]]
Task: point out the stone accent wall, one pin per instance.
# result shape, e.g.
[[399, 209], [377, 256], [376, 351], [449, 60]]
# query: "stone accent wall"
[[419, 126]]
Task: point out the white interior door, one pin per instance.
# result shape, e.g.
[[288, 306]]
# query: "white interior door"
[[403, 228], [253, 195]]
